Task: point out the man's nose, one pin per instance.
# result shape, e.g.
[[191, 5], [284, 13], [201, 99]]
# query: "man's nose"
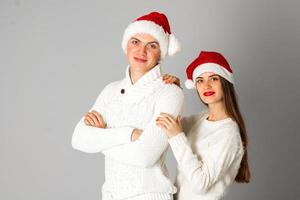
[[143, 48]]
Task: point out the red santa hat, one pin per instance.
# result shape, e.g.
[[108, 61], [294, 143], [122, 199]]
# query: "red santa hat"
[[157, 25], [208, 62]]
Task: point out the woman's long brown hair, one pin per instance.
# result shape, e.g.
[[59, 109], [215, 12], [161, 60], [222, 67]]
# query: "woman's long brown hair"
[[232, 109]]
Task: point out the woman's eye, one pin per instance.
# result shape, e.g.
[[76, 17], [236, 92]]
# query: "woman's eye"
[[215, 78], [199, 81]]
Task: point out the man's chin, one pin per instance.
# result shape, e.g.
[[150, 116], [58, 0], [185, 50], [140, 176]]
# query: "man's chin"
[[139, 66]]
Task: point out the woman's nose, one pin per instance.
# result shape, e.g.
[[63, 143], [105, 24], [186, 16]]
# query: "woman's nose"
[[207, 84]]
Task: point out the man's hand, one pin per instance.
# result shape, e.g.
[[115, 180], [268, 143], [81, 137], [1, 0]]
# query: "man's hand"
[[136, 133], [94, 119]]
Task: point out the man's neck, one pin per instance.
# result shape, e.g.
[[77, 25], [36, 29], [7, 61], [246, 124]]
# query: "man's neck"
[[135, 76]]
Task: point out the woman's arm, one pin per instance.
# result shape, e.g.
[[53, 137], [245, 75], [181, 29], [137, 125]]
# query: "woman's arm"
[[203, 172]]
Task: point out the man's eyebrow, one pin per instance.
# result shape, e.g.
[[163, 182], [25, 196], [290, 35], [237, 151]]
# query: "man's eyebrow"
[[147, 42], [135, 38], [153, 42]]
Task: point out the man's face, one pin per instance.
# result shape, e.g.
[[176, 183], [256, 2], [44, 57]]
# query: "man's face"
[[143, 52]]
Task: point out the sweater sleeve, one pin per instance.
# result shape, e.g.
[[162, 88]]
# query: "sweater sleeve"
[[145, 151], [92, 139], [203, 172]]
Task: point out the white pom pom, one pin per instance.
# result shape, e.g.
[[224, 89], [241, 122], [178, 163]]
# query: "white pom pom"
[[174, 45], [189, 84]]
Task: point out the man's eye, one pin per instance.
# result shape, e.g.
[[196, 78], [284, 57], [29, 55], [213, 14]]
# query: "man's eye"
[[153, 46], [134, 42]]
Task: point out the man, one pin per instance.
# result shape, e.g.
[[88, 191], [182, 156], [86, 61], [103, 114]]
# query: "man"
[[121, 124]]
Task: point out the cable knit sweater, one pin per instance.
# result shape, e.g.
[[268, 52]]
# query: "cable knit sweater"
[[133, 170], [208, 157]]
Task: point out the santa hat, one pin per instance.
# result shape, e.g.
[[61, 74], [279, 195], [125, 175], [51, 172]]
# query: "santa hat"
[[157, 25], [208, 62]]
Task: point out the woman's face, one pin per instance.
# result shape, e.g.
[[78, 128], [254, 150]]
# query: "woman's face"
[[143, 52], [209, 88]]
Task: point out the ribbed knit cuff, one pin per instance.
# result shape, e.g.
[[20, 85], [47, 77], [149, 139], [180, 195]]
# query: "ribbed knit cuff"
[[126, 134], [158, 196], [177, 140]]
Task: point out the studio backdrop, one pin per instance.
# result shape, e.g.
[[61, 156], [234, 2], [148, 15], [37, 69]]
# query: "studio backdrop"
[[57, 56]]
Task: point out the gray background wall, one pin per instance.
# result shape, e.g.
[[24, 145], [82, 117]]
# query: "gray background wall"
[[56, 56]]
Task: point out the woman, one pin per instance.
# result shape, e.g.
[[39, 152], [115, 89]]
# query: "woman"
[[135, 168], [210, 147]]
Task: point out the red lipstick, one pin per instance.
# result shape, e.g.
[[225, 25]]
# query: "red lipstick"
[[208, 93]]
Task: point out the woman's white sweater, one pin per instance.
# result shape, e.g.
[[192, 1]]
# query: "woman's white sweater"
[[208, 157], [132, 169]]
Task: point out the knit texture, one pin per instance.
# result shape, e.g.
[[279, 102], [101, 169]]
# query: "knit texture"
[[134, 170], [208, 157]]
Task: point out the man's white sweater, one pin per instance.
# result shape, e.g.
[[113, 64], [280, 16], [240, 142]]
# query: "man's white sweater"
[[208, 157], [132, 169]]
